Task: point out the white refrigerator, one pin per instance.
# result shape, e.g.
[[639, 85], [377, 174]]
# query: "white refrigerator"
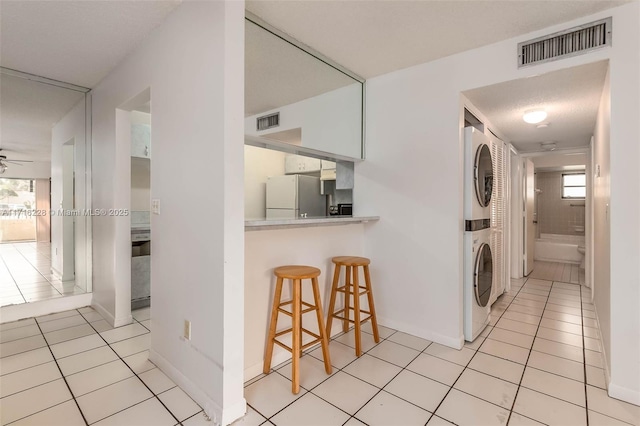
[[294, 196]]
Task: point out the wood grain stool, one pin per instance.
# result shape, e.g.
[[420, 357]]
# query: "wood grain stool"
[[352, 289], [296, 273]]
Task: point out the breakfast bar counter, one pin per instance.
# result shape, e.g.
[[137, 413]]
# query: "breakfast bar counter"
[[262, 224]]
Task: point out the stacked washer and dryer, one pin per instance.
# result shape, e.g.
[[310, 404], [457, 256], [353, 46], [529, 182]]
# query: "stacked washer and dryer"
[[478, 261]]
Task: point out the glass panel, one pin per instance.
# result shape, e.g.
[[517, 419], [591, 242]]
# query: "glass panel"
[[17, 206], [484, 275], [574, 180], [574, 192], [319, 106], [44, 163], [484, 176]]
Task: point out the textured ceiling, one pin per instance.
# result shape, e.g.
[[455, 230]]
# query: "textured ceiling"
[[77, 42], [570, 97], [28, 111], [376, 37]]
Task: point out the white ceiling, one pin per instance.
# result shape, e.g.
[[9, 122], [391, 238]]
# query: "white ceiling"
[[376, 37], [28, 111], [81, 41], [570, 97], [76, 42]]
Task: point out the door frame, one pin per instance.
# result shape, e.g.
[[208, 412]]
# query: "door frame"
[[517, 236]]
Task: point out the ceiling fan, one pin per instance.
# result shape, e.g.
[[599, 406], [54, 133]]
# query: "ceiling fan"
[[4, 161]]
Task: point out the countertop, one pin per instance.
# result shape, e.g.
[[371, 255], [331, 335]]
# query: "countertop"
[[258, 225]]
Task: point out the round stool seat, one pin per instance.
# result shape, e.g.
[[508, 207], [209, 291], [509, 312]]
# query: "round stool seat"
[[351, 260], [296, 272]]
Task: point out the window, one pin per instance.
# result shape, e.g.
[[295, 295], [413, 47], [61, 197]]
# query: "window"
[[574, 185]]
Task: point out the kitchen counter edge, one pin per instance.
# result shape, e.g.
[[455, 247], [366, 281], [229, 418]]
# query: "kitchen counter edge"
[[259, 225]]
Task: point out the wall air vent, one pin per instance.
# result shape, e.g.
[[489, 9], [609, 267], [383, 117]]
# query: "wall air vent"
[[563, 44], [268, 121]]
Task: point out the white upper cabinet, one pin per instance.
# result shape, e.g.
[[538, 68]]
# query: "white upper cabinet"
[[294, 164], [141, 140]]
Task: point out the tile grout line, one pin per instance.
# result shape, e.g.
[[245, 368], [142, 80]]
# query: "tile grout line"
[[63, 377], [154, 395], [49, 282], [529, 355], [309, 350], [584, 360], [393, 378], [14, 280], [471, 359]]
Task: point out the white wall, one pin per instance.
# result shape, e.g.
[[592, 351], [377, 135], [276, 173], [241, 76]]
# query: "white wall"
[[413, 179], [141, 185], [259, 163], [331, 122], [266, 250], [193, 65], [602, 229], [35, 170], [559, 160], [71, 258]]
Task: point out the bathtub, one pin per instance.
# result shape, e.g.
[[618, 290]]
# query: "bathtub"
[[559, 248]]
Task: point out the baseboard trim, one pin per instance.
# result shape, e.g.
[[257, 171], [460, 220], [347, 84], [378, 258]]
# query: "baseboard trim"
[[219, 416], [624, 394], [115, 322], [44, 307], [452, 342]]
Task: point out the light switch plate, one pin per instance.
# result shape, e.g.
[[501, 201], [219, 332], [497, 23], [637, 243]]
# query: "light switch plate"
[[187, 329], [155, 206]]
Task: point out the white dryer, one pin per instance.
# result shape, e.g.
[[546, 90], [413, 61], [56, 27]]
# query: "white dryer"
[[478, 175], [478, 279]]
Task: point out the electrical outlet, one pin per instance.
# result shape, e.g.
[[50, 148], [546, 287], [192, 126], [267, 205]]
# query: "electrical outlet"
[[187, 329], [155, 206]]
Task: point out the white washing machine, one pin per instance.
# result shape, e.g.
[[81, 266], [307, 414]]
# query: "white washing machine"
[[478, 175], [478, 261], [478, 279]]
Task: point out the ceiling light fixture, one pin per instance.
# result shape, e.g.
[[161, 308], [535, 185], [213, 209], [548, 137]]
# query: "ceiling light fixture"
[[542, 125], [548, 146], [534, 117]]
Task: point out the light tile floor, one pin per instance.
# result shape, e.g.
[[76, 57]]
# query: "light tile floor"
[[555, 271], [72, 368], [25, 274], [539, 362]]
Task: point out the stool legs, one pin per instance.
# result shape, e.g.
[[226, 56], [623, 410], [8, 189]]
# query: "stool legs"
[[321, 329], [272, 326], [332, 299], [296, 337], [296, 328], [372, 308], [356, 310], [347, 299], [352, 288]]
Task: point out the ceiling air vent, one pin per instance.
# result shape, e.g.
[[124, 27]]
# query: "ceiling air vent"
[[563, 44], [268, 121]]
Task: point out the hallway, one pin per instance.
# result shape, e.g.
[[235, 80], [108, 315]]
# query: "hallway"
[[554, 271]]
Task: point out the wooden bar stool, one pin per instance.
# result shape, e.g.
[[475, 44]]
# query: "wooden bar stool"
[[352, 288], [296, 273]]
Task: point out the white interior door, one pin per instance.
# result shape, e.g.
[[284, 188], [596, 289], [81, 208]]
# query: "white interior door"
[[529, 226]]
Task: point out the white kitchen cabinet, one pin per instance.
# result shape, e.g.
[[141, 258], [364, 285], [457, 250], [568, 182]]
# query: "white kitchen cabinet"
[[294, 164], [141, 140], [328, 170]]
